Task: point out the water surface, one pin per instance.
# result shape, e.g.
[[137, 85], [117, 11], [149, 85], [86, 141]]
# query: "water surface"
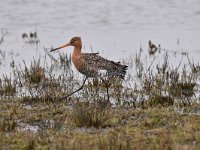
[[114, 28]]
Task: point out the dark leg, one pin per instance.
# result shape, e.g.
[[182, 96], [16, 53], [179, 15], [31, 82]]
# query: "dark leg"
[[106, 89], [66, 96]]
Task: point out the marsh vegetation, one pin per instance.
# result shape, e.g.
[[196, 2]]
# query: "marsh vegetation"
[[155, 107]]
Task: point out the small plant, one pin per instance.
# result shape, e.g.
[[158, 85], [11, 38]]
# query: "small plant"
[[32, 79], [3, 34], [35, 74], [65, 61], [91, 115], [31, 145], [7, 88], [7, 125], [162, 100]]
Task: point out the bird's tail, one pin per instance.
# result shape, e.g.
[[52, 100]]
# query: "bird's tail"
[[118, 70]]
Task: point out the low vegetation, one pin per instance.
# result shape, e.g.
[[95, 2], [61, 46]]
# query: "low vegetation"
[[157, 107]]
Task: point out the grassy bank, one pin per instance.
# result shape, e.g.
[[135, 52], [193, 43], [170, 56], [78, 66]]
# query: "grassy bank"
[[151, 128]]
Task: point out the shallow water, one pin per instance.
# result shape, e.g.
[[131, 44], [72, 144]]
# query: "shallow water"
[[114, 28]]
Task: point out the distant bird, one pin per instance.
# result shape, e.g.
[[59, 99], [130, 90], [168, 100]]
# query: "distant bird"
[[92, 65], [33, 35], [24, 35], [152, 48]]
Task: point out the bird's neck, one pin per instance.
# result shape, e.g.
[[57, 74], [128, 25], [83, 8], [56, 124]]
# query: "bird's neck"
[[77, 51]]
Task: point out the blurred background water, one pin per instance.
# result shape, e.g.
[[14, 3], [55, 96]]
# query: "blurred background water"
[[116, 29]]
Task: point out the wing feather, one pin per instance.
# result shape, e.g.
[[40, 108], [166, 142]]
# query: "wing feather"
[[95, 63]]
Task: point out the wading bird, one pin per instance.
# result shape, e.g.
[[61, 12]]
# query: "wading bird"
[[152, 48], [91, 64]]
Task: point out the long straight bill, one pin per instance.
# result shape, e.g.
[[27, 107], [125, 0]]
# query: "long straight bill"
[[65, 45]]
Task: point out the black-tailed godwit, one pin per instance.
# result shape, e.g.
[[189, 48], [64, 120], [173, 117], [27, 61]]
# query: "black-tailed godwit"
[[91, 64]]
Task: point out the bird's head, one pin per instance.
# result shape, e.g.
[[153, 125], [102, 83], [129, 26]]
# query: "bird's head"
[[75, 41]]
